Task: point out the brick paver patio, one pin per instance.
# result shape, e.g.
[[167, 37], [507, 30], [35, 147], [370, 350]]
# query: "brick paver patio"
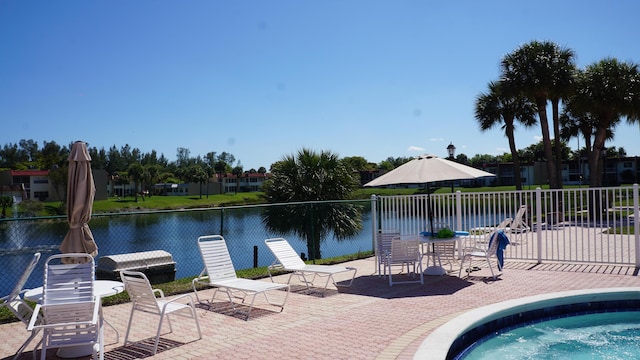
[[369, 320]]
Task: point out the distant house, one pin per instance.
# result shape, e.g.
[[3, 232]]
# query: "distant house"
[[247, 182], [35, 184]]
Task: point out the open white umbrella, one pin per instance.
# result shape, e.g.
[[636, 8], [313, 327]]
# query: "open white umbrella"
[[80, 193], [426, 169]]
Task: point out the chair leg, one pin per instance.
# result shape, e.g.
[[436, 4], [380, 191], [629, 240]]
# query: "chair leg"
[[34, 333], [491, 268], [126, 336]]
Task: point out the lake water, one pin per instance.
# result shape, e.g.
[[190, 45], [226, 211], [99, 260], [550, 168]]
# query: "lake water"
[[174, 232]]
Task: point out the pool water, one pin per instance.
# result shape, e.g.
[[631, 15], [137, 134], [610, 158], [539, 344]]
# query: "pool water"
[[610, 335]]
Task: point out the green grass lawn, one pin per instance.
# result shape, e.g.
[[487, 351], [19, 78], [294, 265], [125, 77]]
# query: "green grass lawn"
[[125, 204]]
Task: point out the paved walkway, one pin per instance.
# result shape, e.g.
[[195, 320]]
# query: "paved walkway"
[[369, 320]]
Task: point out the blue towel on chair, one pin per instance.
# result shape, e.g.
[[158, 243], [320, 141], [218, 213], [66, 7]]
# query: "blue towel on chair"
[[503, 241]]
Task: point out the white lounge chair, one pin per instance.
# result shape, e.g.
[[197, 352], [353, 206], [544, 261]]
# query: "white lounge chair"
[[219, 273], [483, 230], [519, 225], [20, 309], [70, 310], [143, 298], [287, 259]]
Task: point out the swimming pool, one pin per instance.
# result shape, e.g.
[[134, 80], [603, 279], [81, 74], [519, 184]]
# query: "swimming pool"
[[450, 339], [609, 335]]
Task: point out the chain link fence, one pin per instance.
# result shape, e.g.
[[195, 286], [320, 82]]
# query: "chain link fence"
[[159, 238]]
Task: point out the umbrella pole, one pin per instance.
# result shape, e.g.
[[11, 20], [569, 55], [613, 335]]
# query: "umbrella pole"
[[429, 211]]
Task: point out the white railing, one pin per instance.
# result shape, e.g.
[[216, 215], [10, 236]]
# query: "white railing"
[[583, 225]]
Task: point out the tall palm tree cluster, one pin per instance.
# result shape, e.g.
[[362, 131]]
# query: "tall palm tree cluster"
[[587, 102]]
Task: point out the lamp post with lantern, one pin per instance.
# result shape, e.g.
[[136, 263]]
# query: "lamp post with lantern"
[[451, 150]]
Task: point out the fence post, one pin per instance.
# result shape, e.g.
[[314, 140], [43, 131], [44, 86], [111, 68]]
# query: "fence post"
[[374, 229], [636, 223], [539, 223], [459, 210], [255, 256], [221, 220]]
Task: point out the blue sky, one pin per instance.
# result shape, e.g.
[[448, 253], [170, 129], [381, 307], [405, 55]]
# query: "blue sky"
[[262, 79]]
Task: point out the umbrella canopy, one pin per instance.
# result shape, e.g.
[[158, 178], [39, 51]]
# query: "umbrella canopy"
[[425, 169], [80, 193]]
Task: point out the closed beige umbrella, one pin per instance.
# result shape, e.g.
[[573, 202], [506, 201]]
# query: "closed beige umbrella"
[[80, 193]]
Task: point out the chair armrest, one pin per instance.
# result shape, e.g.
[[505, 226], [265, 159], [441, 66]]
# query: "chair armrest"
[[159, 292], [167, 302], [179, 298], [34, 317], [95, 316]]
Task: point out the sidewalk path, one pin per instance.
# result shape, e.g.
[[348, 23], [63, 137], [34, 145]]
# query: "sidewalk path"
[[369, 320]]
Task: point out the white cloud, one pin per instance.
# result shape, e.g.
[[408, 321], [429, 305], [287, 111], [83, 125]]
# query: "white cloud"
[[537, 138], [416, 148], [436, 139]]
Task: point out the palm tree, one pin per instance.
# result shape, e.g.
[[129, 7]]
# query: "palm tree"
[[136, 173], [577, 123], [237, 171], [314, 177], [542, 71], [498, 107], [608, 90], [152, 174], [5, 202]]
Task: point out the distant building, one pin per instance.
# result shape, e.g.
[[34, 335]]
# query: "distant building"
[[35, 185], [618, 170], [247, 182]]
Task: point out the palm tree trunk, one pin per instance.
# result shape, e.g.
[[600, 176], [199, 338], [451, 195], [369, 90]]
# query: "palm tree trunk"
[[546, 141], [557, 143], [595, 168], [516, 159], [313, 246]]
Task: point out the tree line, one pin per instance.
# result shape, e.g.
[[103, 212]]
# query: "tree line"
[[125, 164]]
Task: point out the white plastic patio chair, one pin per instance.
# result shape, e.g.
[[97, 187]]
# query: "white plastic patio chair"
[[405, 252], [69, 308], [442, 250], [484, 254], [287, 259], [383, 248], [20, 309], [219, 273], [143, 299]]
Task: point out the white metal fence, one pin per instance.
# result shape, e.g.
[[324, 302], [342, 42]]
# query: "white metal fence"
[[583, 225]]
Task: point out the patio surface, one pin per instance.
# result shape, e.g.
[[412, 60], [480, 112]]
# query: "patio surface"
[[369, 320]]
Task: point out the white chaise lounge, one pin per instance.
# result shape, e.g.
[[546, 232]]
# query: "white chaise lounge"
[[287, 259], [219, 273]]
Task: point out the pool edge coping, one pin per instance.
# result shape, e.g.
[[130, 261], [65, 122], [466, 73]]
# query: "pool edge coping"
[[438, 343]]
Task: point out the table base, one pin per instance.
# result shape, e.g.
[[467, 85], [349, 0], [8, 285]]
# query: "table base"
[[70, 352], [435, 270]]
